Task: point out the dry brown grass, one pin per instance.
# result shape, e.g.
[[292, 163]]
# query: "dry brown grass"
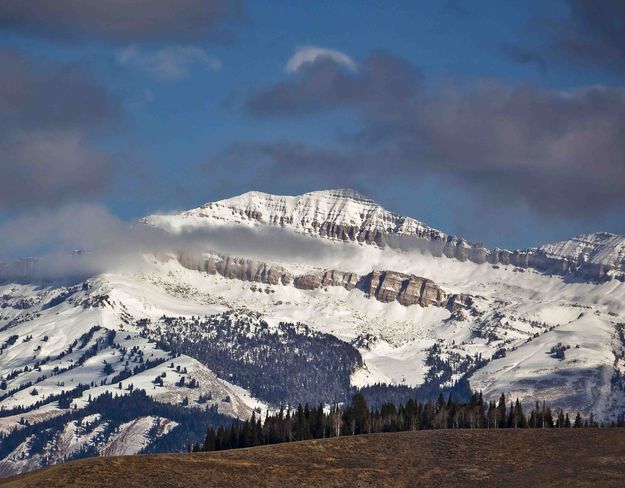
[[550, 458]]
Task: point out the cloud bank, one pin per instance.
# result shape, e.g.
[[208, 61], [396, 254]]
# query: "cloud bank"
[[109, 244], [50, 115], [560, 153], [323, 83], [121, 20]]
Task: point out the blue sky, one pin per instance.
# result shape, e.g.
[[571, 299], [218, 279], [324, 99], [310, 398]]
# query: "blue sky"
[[179, 115]]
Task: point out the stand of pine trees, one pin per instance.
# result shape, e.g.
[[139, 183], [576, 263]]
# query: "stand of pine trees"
[[318, 422]]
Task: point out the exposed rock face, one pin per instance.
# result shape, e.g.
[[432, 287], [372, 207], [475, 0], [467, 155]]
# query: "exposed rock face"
[[309, 281], [388, 286], [384, 286], [595, 257], [560, 258], [458, 302], [237, 268], [331, 277], [349, 233]]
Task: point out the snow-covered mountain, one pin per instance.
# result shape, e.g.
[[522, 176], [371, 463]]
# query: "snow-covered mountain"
[[341, 214], [320, 294], [349, 216]]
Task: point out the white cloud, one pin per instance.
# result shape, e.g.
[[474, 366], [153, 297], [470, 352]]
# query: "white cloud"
[[310, 54], [115, 245], [170, 62]]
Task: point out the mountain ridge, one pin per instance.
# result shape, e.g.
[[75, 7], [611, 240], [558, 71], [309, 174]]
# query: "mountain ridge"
[[347, 215]]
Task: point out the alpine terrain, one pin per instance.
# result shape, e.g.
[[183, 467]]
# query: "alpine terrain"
[[261, 301]]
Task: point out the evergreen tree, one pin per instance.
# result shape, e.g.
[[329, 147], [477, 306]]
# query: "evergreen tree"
[[578, 421], [520, 421], [501, 412], [360, 413]]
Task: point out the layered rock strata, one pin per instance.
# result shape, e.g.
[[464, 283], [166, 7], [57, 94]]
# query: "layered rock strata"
[[384, 286]]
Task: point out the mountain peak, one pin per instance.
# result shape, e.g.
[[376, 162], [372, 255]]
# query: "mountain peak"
[[259, 196], [342, 193], [343, 214]]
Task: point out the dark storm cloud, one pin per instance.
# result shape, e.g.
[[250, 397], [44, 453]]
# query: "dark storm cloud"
[[381, 81], [560, 153], [592, 35], [36, 94], [49, 113], [120, 20], [597, 33]]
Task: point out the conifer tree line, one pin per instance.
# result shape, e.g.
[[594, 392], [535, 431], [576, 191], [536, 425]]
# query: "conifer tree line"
[[317, 422]]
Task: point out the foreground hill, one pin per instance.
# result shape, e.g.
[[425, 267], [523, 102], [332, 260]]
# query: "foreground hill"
[[567, 457]]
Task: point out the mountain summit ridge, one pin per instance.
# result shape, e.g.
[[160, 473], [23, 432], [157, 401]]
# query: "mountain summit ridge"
[[349, 216]]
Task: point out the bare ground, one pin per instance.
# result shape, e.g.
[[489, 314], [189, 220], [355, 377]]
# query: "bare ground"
[[545, 458]]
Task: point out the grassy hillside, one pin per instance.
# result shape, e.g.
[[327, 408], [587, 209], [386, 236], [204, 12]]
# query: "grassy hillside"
[[567, 458]]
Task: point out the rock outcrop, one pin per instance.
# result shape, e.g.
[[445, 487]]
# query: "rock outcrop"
[[237, 268], [384, 286], [458, 302], [388, 286], [332, 277]]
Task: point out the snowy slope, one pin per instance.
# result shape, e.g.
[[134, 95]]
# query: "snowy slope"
[[87, 434], [305, 213], [601, 248], [56, 345]]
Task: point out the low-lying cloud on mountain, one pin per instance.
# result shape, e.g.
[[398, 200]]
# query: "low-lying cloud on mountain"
[[107, 243]]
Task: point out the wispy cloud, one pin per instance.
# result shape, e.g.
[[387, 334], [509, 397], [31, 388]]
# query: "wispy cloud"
[[170, 62], [112, 244], [310, 54]]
